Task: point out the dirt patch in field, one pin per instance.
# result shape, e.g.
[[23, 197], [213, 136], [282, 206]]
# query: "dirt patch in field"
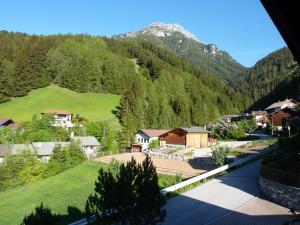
[[166, 166]]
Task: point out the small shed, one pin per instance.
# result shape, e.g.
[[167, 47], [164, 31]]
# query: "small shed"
[[193, 137]]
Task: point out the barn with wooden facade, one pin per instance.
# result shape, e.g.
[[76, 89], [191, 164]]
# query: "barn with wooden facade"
[[194, 137], [281, 118]]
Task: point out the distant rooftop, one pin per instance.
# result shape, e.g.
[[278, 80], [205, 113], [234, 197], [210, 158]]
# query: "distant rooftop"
[[87, 140], [194, 130], [56, 111], [5, 120], [46, 148], [153, 132], [281, 104]]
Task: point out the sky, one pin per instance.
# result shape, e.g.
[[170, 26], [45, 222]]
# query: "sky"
[[240, 27]]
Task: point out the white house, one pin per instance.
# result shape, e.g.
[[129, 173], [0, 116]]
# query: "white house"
[[62, 118], [261, 118], [89, 144], [144, 137]]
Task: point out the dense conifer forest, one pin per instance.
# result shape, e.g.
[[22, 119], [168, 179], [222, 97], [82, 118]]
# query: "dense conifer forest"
[[158, 88]]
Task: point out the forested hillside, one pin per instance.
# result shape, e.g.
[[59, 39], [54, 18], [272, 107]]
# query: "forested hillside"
[[159, 89], [270, 79], [273, 78]]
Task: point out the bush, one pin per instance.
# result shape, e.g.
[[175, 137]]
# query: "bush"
[[227, 131], [19, 169], [219, 155], [41, 216], [66, 157], [154, 144]]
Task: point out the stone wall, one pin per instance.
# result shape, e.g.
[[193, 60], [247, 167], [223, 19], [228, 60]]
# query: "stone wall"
[[285, 195]]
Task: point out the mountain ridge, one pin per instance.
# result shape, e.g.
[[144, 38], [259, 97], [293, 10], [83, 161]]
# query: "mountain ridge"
[[175, 37]]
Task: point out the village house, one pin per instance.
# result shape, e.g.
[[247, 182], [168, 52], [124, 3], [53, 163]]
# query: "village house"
[[8, 122], [44, 150], [261, 118], [282, 118], [287, 103], [194, 137], [62, 118], [144, 137], [89, 144]]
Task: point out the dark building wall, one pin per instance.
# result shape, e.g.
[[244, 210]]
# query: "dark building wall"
[[278, 117], [175, 137]]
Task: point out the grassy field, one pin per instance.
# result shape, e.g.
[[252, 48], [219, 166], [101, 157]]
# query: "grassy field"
[[65, 193], [93, 106]]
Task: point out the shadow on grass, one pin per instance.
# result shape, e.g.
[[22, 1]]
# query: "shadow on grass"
[[73, 215]]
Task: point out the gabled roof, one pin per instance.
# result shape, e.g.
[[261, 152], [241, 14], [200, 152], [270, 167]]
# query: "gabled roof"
[[14, 148], [287, 109], [46, 148], [194, 130], [280, 104], [87, 140], [56, 111], [153, 132]]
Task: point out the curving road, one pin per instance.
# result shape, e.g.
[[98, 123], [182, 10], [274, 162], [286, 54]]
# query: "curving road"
[[231, 199]]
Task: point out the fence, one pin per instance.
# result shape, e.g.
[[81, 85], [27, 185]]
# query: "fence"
[[164, 155], [199, 178]]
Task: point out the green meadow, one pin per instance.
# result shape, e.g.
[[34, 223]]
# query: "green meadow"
[[92, 106], [65, 193]]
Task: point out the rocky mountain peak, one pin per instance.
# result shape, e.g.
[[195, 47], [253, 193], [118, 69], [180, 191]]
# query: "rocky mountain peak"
[[160, 29]]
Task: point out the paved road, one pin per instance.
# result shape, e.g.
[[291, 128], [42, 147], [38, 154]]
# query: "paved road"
[[232, 199]]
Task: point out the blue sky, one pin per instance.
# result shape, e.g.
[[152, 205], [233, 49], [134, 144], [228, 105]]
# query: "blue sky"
[[240, 27]]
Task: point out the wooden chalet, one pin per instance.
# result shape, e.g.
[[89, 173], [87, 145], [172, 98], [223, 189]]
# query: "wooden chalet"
[[194, 137]]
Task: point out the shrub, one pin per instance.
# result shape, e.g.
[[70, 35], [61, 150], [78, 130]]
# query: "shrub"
[[219, 155], [42, 215], [20, 168], [66, 157], [154, 144]]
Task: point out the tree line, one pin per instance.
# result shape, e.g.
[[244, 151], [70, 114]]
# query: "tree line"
[[159, 89]]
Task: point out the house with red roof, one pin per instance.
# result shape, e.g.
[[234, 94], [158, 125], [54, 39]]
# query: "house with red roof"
[[62, 118]]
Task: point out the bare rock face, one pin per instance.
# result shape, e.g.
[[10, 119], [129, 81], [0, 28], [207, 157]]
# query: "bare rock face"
[[160, 29]]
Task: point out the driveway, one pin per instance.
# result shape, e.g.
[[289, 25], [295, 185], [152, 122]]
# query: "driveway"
[[188, 168], [231, 199]]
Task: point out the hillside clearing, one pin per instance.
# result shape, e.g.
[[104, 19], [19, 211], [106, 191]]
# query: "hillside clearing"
[[92, 106]]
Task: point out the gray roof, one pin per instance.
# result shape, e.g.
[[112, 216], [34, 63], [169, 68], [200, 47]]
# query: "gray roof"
[[87, 140], [288, 102], [14, 148], [46, 148], [194, 130]]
